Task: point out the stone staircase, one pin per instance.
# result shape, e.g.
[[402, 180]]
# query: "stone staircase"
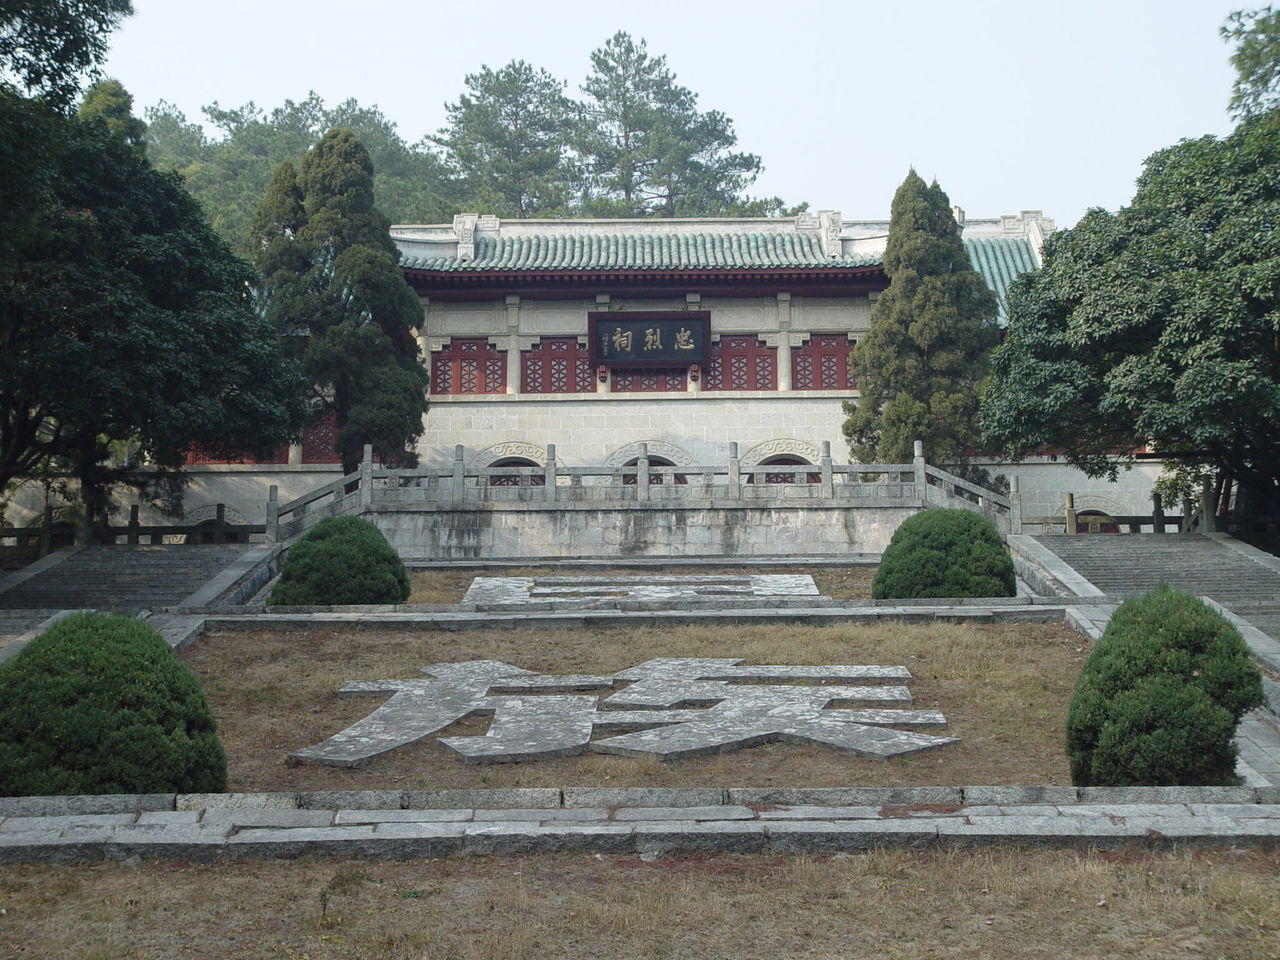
[[1128, 564], [120, 578]]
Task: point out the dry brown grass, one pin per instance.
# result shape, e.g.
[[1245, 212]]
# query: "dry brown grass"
[[881, 905], [447, 585], [1003, 688]]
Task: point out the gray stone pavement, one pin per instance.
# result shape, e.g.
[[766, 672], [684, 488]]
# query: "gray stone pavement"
[[403, 824]]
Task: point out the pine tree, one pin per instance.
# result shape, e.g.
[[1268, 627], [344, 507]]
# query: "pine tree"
[[331, 283], [508, 141], [647, 148], [920, 368]]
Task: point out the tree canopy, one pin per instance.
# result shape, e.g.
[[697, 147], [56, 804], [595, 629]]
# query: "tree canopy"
[[920, 366], [332, 284], [46, 46], [127, 329], [1256, 59], [229, 173], [635, 144], [1159, 323]]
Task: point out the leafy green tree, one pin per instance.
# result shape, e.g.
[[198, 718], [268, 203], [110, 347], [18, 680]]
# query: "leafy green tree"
[[646, 147], [47, 45], [508, 139], [1256, 60], [331, 282], [920, 366], [127, 330], [1157, 323], [229, 173], [109, 101]]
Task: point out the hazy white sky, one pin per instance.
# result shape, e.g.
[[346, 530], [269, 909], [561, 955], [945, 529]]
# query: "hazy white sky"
[[1010, 105]]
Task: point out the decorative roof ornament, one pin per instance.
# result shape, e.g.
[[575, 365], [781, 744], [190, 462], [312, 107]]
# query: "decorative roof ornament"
[[831, 223], [464, 228]]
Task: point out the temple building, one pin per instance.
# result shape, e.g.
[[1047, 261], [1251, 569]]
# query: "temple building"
[[600, 335]]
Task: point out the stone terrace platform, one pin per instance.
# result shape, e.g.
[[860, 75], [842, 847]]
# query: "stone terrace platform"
[[405, 824]]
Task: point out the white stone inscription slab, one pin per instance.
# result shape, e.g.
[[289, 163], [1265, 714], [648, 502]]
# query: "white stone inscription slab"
[[517, 590], [672, 707]]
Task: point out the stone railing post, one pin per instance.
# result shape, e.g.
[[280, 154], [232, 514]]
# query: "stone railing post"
[[828, 483], [273, 514], [1015, 506], [734, 491], [1069, 513], [46, 531], [642, 473], [1157, 513], [458, 493], [132, 539], [551, 474], [1208, 508], [220, 523], [917, 469], [366, 476]]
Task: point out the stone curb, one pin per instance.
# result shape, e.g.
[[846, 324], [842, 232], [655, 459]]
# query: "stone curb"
[[247, 829], [676, 798]]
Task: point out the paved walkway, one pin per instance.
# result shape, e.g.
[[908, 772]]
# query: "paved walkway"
[[386, 824]]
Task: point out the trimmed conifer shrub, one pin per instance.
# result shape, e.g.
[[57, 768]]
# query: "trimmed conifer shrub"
[[341, 560], [98, 703], [944, 553], [1122, 730]]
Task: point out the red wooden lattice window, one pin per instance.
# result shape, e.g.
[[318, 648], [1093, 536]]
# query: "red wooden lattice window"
[[741, 363], [556, 365], [822, 364], [649, 381], [320, 439], [469, 366]]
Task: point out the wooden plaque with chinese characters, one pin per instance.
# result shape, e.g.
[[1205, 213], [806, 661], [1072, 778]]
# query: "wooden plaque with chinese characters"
[[637, 338]]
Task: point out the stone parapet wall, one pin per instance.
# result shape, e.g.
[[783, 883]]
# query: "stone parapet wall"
[[514, 531]]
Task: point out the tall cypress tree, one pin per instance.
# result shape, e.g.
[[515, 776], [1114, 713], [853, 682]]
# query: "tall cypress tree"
[[920, 368], [331, 283]]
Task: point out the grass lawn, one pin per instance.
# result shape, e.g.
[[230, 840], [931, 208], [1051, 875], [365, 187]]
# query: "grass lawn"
[[880, 905], [1004, 690], [447, 585]]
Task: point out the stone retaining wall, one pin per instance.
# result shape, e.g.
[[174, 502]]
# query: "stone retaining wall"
[[521, 530]]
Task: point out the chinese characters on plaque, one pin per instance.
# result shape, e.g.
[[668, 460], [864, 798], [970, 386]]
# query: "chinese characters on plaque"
[[623, 339]]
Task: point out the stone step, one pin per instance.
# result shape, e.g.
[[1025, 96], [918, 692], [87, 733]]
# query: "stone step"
[[122, 578]]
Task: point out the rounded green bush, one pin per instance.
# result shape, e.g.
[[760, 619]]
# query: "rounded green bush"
[[1162, 732], [944, 553], [341, 560], [1169, 635], [98, 703]]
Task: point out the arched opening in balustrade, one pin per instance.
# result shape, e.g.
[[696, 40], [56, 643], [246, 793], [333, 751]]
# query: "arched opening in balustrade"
[[629, 479], [786, 460], [1095, 521], [537, 480]]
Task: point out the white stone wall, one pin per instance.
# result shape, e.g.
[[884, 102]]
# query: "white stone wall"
[[632, 530]]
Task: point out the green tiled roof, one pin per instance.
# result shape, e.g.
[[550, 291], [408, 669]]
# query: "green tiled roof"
[[696, 251], [1001, 261]]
